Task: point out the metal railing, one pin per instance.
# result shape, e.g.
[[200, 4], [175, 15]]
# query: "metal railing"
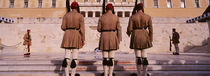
[[201, 18], [6, 20]]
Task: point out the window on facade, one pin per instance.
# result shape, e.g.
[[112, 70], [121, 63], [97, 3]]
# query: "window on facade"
[[98, 0], [40, 4], [183, 4], [155, 3], [123, 0], [85, 0], [53, 3], [197, 4], [127, 14], [25, 3], [111, 0], [83, 13], [106, 1], [169, 4], [209, 2], [12, 2], [97, 14], [142, 1], [119, 14], [90, 14]]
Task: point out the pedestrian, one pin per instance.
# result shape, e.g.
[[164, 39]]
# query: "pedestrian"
[[27, 43], [175, 41]]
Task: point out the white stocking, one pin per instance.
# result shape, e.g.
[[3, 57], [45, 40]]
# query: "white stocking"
[[111, 68], [67, 55], [74, 56], [144, 55], [105, 55], [144, 70], [138, 54], [26, 49]]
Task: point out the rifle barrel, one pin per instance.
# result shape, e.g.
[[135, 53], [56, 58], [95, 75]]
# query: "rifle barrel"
[[103, 7], [67, 6], [134, 9]]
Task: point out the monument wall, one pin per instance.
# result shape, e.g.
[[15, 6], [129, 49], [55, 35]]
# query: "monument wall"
[[47, 34]]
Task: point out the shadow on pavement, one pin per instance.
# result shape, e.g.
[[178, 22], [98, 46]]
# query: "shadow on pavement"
[[59, 69]]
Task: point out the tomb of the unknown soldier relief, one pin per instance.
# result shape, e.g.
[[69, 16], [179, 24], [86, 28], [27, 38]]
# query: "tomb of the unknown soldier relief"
[[37, 35]]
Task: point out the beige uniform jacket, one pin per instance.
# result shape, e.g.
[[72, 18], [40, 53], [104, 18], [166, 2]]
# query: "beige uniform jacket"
[[141, 31], [74, 30], [27, 39], [109, 26]]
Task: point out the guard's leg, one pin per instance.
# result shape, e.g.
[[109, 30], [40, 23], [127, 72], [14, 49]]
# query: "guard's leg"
[[29, 49], [111, 62], [105, 63], [176, 48], [138, 62], [25, 50], [145, 62], [66, 62], [74, 61]]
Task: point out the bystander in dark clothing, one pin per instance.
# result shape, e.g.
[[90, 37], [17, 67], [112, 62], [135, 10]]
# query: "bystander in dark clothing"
[[175, 41]]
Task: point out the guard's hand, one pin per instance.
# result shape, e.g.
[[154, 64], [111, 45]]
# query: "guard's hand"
[[151, 39], [128, 34], [118, 41], [83, 43]]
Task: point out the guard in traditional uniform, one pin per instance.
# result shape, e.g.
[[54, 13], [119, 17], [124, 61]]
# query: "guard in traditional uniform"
[[110, 29], [27, 43], [73, 39], [141, 39], [175, 41]]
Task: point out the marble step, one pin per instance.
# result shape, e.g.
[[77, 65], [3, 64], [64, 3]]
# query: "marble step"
[[47, 68], [118, 73], [97, 62]]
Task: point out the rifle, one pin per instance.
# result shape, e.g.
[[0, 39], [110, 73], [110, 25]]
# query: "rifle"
[[67, 6], [103, 7], [134, 9], [170, 43], [78, 9]]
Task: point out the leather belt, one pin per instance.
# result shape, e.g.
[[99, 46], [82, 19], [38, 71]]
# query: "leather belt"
[[108, 30], [72, 29], [139, 29]]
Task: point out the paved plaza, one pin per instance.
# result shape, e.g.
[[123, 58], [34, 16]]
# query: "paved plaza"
[[90, 64]]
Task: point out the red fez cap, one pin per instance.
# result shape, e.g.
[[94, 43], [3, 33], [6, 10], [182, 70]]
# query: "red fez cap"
[[28, 30], [74, 4], [140, 6], [109, 6]]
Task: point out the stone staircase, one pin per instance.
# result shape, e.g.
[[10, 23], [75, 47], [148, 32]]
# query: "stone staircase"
[[49, 67]]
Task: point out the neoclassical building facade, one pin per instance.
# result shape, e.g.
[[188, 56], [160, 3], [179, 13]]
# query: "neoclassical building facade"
[[92, 8], [44, 18]]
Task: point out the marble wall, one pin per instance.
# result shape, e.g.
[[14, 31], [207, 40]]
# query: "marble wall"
[[47, 35]]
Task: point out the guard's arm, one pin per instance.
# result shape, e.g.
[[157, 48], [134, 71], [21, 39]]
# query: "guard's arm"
[[82, 28], [99, 25], [119, 34], [63, 26], [150, 29], [130, 27]]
